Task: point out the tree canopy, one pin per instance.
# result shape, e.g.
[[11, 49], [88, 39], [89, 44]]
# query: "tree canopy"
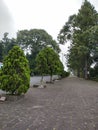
[[48, 62], [82, 30]]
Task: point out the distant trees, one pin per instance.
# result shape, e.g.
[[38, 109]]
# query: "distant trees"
[[33, 41], [82, 31], [6, 44], [48, 62], [15, 73]]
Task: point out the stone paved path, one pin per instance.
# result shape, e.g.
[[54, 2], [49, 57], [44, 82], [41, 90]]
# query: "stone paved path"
[[69, 104]]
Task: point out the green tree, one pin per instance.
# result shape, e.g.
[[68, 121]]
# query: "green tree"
[[35, 40], [80, 30], [15, 74], [48, 62]]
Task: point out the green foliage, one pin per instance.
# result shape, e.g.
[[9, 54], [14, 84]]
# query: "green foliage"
[[87, 16], [15, 74], [82, 31], [35, 40], [94, 73], [48, 62], [6, 44], [64, 74], [41, 63]]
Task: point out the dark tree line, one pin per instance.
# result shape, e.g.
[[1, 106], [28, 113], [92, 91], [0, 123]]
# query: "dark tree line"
[[6, 44]]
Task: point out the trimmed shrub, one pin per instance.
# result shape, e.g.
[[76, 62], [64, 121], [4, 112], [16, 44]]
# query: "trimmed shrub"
[[15, 73]]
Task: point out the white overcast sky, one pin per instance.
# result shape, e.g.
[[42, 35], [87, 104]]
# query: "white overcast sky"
[[49, 15]]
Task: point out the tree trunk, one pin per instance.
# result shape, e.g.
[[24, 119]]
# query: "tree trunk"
[[78, 73], [41, 81], [51, 76], [85, 69]]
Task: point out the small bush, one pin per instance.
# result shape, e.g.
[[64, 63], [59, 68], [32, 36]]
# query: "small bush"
[[64, 74]]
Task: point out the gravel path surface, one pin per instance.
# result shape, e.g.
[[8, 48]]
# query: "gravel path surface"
[[68, 104]]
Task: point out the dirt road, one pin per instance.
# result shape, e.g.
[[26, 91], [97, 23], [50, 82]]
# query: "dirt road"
[[68, 104]]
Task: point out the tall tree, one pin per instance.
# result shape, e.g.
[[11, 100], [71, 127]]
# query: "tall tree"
[[80, 31]]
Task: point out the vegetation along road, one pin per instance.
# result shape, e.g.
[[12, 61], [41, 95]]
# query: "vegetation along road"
[[68, 104]]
